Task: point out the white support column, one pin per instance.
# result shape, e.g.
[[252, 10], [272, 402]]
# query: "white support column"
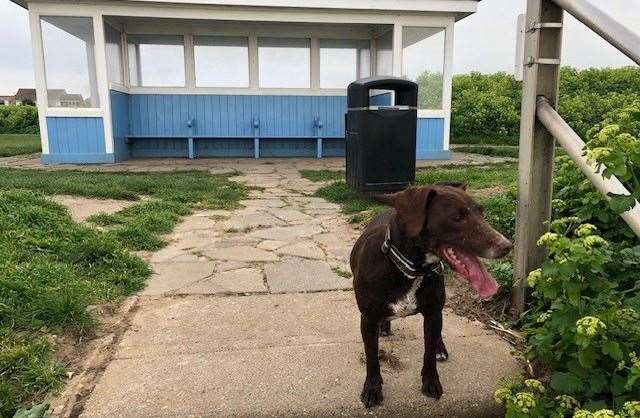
[[315, 63], [189, 62], [374, 57], [93, 82], [103, 80], [253, 61], [126, 76], [39, 72], [397, 50], [447, 79]]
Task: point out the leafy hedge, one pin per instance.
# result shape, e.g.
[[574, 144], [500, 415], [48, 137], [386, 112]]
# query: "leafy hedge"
[[583, 323], [488, 105], [21, 119]]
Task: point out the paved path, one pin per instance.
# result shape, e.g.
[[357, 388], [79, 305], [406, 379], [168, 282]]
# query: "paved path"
[[248, 314]]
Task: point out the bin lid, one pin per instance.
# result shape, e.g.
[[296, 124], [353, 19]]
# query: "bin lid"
[[406, 91]]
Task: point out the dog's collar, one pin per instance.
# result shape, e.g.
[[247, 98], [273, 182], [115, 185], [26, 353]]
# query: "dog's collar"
[[409, 269]]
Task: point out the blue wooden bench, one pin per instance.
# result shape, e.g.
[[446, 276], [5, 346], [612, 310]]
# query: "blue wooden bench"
[[191, 137]]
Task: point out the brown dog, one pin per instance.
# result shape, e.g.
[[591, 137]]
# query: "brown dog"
[[397, 270]]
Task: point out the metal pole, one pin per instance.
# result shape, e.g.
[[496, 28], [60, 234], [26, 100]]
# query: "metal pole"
[[535, 169], [574, 146], [604, 25]]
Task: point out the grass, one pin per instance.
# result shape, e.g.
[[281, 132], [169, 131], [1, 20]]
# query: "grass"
[[491, 150], [15, 144], [500, 207], [486, 139], [322, 175], [172, 195], [52, 269]]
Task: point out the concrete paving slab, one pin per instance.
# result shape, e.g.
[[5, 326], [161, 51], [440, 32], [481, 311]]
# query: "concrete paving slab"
[[287, 355], [243, 280], [170, 276], [301, 275], [240, 253], [81, 208], [287, 233], [305, 249]]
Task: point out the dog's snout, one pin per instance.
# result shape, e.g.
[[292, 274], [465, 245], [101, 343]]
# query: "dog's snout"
[[499, 247]]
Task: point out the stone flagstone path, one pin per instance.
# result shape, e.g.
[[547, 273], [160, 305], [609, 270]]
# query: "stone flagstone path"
[[247, 315], [281, 240]]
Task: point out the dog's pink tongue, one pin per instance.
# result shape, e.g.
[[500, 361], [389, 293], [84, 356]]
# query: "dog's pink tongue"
[[468, 266]]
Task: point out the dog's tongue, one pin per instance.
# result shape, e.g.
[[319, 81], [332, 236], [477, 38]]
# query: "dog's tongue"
[[469, 267]]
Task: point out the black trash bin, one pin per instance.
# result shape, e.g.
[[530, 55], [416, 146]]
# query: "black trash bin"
[[381, 140]]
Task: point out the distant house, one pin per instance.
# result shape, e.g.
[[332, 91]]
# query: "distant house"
[[22, 96]]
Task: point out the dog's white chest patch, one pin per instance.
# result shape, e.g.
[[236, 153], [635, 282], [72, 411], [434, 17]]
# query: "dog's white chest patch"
[[408, 304]]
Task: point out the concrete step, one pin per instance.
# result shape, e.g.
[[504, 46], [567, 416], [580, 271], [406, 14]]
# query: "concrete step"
[[287, 355]]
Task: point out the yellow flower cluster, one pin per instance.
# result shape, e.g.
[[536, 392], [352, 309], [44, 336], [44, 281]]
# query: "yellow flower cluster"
[[585, 230], [590, 326], [548, 238], [534, 277], [567, 403], [594, 241], [534, 384], [524, 401], [631, 409]]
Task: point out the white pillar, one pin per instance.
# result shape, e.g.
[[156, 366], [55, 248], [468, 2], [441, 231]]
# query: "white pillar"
[[447, 79], [189, 62], [39, 72], [397, 50], [102, 79], [253, 61]]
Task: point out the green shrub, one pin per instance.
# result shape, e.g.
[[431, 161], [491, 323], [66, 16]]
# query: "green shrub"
[[19, 120], [486, 107]]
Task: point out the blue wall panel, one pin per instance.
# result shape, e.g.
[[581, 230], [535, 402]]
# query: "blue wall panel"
[[286, 125], [430, 139], [232, 116], [120, 124], [76, 140]]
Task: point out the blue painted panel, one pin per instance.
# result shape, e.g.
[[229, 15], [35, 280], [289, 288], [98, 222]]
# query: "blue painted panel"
[[429, 137], [333, 147], [120, 123], [230, 116], [76, 136], [158, 147], [288, 147], [223, 148]]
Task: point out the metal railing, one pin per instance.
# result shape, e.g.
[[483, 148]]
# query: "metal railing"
[[541, 126]]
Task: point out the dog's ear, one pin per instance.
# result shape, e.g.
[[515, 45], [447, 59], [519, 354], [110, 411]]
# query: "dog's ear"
[[411, 206], [456, 184]]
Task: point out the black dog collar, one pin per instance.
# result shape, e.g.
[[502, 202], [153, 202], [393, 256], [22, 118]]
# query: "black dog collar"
[[408, 268]]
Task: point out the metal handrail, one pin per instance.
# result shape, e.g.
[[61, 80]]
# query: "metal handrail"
[[604, 25], [574, 146]]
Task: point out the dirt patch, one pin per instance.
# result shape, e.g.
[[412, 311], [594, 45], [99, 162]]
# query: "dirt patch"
[[488, 191], [87, 357], [81, 207]]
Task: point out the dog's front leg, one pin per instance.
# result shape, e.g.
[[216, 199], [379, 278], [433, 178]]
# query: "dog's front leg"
[[372, 390], [430, 380]]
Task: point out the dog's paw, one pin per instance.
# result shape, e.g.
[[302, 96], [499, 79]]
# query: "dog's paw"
[[431, 387], [441, 352], [371, 394]]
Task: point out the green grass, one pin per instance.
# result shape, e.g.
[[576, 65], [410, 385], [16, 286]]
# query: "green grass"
[[15, 144], [486, 139], [500, 208], [493, 151], [139, 227], [322, 175], [52, 269]]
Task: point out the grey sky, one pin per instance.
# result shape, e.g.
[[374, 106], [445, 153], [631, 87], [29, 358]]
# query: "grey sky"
[[483, 42]]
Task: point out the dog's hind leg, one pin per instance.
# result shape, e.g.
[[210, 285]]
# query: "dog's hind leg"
[[372, 390], [385, 328], [441, 350]]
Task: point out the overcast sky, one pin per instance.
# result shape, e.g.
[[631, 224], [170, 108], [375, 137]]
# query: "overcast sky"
[[483, 42]]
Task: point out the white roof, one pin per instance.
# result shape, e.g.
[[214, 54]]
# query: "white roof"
[[459, 7]]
